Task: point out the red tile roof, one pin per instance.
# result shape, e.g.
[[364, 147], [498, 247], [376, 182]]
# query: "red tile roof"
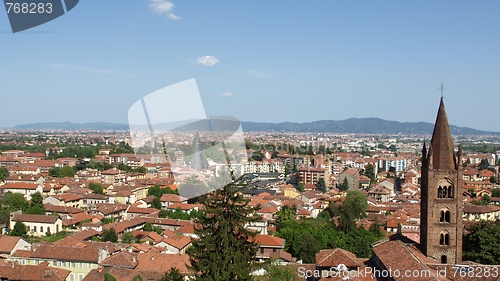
[[20, 185], [334, 257], [178, 242], [7, 243], [32, 273], [269, 241], [154, 262], [55, 252], [35, 218]]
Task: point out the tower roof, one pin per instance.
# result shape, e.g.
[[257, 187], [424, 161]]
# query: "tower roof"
[[441, 151]]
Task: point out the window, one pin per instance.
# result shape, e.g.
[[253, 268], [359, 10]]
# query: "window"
[[54, 263], [80, 276], [445, 189], [444, 259], [72, 277], [89, 265], [34, 228], [72, 264], [37, 262], [48, 229], [444, 239], [445, 216], [80, 264], [41, 229], [63, 263]]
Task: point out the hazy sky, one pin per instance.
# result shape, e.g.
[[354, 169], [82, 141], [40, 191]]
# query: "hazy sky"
[[270, 61]]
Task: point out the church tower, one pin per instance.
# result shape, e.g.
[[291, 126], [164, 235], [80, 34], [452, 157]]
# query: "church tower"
[[441, 206]]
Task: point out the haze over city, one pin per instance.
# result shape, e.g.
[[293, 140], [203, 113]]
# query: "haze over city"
[[258, 61]]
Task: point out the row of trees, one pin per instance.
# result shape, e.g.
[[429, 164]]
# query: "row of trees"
[[67, 171]]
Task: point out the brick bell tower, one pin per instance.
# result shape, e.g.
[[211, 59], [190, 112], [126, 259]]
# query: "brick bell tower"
[[441, 205]]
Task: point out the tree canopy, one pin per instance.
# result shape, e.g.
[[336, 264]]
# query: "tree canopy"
[[304, 238], [172, 274], [19, 229], [36, 206], [128, 238], [321, 185], [109, 235], [370, 173], [4, 173], [353, 208], [495, 192], [158, 191], [221, 230], [345, 185], [96, 187], [482, 243], [109, 277], [62, 172]]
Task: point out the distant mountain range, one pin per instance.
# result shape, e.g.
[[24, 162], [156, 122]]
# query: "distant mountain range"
[[69, 126], [350, 126]]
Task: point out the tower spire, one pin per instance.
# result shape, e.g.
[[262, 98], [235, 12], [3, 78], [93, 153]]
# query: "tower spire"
[[441, 150]]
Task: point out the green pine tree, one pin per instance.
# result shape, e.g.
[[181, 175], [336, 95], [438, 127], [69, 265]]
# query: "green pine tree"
[[109, 277], [225, 250], [19, 229], [345, 185], [321, 185], [138, 277], [172, 274], [156, 203]]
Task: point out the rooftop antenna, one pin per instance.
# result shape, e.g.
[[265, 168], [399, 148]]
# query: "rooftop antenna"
[[442, 88]]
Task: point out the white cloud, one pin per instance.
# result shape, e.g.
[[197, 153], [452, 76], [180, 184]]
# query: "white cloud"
[[207, 61], [163, 8]]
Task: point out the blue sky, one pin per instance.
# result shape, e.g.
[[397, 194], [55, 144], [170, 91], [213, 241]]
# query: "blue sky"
[[270, 61]]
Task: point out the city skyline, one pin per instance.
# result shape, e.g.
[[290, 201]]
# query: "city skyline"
[[256, 61]]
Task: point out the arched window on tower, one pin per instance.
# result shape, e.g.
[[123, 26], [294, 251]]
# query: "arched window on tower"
[[445, 189], [444, 238], [444, 259], [445, 216]]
